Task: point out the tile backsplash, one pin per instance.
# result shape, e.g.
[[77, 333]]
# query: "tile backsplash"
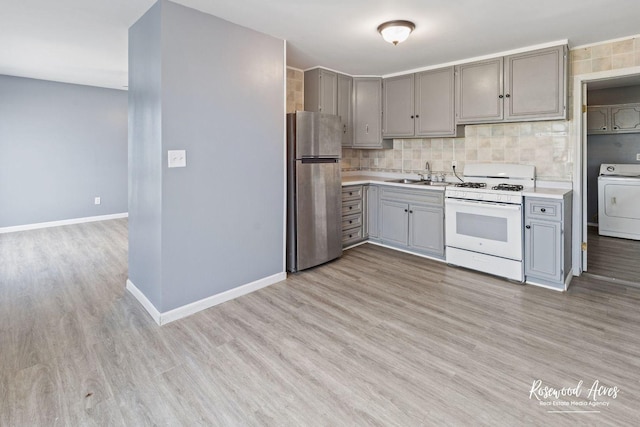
[[546, 145]]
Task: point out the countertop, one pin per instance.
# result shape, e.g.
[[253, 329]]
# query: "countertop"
[[539, 191]]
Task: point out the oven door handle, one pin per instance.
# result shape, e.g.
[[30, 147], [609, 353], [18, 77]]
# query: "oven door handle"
[[480, 202]]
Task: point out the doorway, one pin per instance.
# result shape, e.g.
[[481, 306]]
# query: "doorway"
[[609, 258]]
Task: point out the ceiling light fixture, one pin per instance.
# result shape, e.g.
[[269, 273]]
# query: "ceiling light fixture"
[[396, 31]]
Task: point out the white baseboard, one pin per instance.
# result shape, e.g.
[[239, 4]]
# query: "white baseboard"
[[203, 304], [38, 225], [151, 309]]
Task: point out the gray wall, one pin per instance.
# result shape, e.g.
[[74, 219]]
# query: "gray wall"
[[621, 148], [62, 145], [145, 155], [222, 100]]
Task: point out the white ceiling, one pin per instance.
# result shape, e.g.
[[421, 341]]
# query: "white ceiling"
[[85, 41]]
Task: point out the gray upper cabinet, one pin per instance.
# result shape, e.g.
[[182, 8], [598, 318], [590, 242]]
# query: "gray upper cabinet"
[[522, 87], [420, 105], [435, 103], [398, 106], [331, 93], [321, 91], [619, 118], [479, 91], [367, 106], [345, 108], [598, 120]]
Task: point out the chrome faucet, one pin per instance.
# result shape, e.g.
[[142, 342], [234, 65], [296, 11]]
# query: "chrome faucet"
[[428, 174]]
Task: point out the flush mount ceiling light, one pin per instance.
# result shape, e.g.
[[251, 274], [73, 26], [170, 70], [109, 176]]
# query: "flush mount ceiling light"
[[396, 31]]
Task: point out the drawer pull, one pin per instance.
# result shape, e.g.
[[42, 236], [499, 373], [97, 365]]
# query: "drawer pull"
[[527, 227], [350, 222], [350, 207], [543, 209]]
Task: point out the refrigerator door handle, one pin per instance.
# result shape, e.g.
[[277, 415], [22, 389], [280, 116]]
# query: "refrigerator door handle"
[[319, 160]]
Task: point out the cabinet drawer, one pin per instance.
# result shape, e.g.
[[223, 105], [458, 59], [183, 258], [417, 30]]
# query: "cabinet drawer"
[[352, 207], [433, 197], [352, 192], [351, 221], [543, 209], [351, 236]]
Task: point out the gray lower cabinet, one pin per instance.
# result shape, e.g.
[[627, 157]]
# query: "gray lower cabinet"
[[353, 214], [547, 239], [522, 87], [373, 199], [412, 220], [611, 119]]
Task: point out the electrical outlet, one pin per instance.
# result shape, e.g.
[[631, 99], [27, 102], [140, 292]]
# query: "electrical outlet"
[[96, 201], [638, 157], [177, 158], [454, 164]]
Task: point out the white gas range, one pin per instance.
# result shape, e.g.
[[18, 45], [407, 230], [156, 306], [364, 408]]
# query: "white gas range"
[[484, 221]]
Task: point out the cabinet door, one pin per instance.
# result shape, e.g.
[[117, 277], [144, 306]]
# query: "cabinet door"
[[367, 93], [597, 120], [398, 105], [535, 85], [435, 106], [320, 91], [625, 118], [543, 250], [479, 89], [426, 229], [328, 92], [394, 222], [345, 88], [372, 211]]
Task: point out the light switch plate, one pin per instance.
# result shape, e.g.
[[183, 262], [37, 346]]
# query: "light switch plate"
[[638, 157], [177, 158]]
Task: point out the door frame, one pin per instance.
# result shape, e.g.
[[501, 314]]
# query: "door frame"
[[579, 91]]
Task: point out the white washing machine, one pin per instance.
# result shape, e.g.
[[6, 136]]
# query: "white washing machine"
[[619, 201]]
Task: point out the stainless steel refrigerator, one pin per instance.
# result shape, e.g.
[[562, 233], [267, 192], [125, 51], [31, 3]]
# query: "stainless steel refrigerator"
[[314, 189]]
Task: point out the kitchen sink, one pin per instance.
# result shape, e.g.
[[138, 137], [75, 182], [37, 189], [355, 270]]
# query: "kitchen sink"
[[434, 183], [418, 182], [406, 181]]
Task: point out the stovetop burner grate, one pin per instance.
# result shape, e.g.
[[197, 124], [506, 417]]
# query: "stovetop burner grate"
[[508, 187], [471, 184]]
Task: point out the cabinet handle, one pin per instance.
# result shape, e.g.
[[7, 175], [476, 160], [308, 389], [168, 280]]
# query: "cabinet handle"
[[417, 116], [367, 128], [500, 96], [345, 129], [615, 127], [507, 96], [410, 211], [412, 117], [604, 128], [350, 193], [350, 207], [543, 210], [527, 227], [350, 222], [406, 210]]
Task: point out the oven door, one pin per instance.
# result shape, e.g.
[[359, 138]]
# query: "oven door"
[[484, 227]]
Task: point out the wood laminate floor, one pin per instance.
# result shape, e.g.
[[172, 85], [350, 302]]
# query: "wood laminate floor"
[[613, 257], [378, 337]]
